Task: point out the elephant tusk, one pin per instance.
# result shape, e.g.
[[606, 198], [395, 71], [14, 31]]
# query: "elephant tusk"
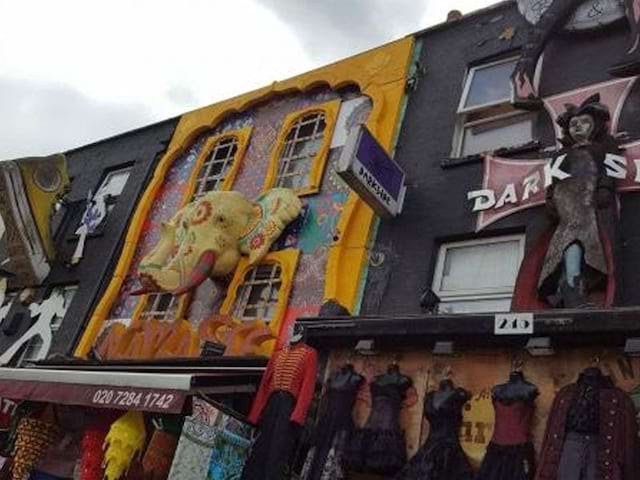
[[200, 272]]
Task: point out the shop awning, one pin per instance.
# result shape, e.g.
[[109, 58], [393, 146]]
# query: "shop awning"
[[128, 385], [571, 328]]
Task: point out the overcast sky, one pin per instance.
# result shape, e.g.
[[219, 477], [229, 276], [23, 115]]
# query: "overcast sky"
[[75, 71]]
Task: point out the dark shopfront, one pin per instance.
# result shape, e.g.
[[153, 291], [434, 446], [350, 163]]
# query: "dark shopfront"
[[475, 242]]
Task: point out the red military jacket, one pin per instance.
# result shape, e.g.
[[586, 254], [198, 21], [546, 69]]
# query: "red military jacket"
[[619, 454], [292, 369]]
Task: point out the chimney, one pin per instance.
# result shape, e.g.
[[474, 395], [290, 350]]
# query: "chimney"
[[454, 15]]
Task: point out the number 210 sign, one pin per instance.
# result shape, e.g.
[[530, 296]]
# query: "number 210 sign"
[[513, 324]]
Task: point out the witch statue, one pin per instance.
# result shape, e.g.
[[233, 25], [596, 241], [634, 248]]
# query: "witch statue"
[[572, 265]]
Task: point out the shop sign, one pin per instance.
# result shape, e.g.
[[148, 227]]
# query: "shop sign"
[[103, 396], [513, 324], [510, 186], [367, 168]]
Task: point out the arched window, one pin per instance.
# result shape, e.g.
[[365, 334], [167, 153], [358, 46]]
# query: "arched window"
[[302, 149], [216, 167], [261, 292], [301, 146], [258, 294]]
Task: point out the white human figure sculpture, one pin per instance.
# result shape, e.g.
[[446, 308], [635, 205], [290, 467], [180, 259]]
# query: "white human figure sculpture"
[[4, 309], [50, 308]]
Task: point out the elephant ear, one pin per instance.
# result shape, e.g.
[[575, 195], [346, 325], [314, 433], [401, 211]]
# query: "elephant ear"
[[271, 213]]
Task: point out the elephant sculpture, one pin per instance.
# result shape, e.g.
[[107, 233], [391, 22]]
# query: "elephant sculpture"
[[207, 237]]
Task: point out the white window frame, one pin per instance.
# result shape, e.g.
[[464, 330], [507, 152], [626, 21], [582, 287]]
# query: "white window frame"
[[468, 79], [241, 304], [491, 293], [286, 154], [110, 174], [150, 311], [31, 350], [463, 124], [204, 175]]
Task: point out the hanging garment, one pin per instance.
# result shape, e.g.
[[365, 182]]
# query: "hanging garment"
[[279, 409], [158, 457], [590, 412], [229, 456], [335, 426], [193, 454], [441, 457], [510, 454], [379, 447]]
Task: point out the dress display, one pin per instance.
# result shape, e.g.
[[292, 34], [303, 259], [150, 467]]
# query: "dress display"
[[441, 457], [591, 432], [279, 410], [335, 426], [510, 454], [379, 447]]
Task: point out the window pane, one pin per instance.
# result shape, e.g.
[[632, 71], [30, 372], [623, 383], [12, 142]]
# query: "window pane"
[[32, 350], [257, 297], [507, 132], [302, 143], [214, 170], [114, 182], [490, 84], [481, 267], [476, 306]]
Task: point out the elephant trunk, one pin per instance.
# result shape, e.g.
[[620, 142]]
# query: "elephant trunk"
[[162, 279]]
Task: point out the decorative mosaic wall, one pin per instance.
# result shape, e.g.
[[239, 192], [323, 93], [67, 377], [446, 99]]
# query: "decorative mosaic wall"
[[316, 229]]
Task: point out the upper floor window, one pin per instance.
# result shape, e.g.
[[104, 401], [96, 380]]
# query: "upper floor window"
[[218, 163], [486, 119], [301, 146], [216, 167], [160, 306], [302, 149], [478, 275], [104, 199], [257, 295]]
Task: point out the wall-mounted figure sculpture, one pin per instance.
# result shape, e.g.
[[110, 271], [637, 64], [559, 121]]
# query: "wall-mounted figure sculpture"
[[207, 237], [573, 262], [550, 16]]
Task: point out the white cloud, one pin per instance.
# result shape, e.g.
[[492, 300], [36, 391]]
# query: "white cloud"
[[76, 71]]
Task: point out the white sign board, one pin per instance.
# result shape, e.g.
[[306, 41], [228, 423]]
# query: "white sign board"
[[513, 324]]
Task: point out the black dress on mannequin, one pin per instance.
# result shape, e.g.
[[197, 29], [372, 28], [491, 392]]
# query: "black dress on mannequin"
[[510, 454], [441, 457], [335, 427], [379, 447]]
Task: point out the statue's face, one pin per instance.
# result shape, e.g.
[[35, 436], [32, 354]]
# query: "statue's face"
[[581, 128]]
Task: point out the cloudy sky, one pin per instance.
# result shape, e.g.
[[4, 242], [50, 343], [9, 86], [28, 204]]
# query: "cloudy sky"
[[75, 71]]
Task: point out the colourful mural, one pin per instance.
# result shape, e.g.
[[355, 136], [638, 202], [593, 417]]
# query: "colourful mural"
[[331, 233]]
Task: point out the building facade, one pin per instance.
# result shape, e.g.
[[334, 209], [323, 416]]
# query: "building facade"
[[470, 243]]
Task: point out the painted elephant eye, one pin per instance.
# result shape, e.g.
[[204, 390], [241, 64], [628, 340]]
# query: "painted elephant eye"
[[203, 212], [220, 218]]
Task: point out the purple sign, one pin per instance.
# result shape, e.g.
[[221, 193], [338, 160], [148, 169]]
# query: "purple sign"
[[372, 173]]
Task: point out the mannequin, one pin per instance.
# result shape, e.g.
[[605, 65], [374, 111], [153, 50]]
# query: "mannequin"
[[280, 408], [441, 456], [591, 432], [510, 454], [334, 428], [379, 447]]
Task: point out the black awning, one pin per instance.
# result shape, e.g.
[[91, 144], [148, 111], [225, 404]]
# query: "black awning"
[[585, 327]]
